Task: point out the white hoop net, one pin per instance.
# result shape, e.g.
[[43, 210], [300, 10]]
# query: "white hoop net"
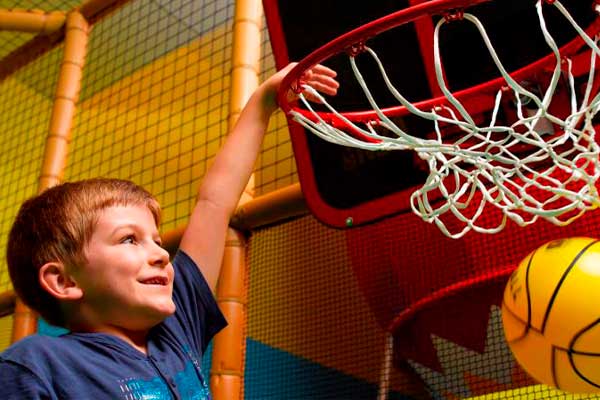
[[553, 179]]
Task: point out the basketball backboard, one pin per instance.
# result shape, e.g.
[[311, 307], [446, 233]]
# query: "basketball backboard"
[[346, 186]]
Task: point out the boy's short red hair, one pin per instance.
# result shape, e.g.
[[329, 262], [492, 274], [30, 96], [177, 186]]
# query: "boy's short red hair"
[[55, 226]]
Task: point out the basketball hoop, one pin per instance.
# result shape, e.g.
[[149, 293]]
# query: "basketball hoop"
[[543, 163]]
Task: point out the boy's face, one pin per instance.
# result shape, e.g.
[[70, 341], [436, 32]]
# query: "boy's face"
[[128, 279]]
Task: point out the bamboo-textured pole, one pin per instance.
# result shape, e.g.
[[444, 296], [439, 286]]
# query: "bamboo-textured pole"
[[92, 11], [59, 134], [65, 100], [95, 10], [227, 374], [32, 21], [271, 208], [274, 207]]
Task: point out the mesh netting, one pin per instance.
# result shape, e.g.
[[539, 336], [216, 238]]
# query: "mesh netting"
[[153, 106], [322, 302], [441, 299], [276, 166], [311, 334], [10, 41], [25, 106], [154, 99]]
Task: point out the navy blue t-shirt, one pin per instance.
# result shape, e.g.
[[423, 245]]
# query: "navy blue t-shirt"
[[101, 366]]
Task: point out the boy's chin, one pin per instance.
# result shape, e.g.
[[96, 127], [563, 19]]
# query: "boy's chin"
[[153, 320], [155, 316], [170, 309], [165, 310]]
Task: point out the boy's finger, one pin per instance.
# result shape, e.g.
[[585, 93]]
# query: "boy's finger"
[[325, 88], [321, 78], [327, 81], [325, 84], [321, 69]]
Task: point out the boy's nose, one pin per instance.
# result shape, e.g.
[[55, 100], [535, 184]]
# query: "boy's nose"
[[159, 256]]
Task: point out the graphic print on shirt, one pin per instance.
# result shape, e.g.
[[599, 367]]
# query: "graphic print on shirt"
[[140, 389], [187, 384]]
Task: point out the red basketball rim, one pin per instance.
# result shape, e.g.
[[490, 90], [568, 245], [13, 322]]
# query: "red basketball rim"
[[402, 17]]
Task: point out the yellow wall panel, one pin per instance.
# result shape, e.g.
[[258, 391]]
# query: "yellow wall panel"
[[296, 271], [5, 331], [162, 124], [23, 131]]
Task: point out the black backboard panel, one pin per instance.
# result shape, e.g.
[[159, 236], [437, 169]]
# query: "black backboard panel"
[[341, 182]]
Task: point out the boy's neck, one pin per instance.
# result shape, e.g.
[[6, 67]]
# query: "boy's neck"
[[136, 339]]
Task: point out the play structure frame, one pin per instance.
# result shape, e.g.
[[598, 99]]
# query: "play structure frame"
[[73, 29]]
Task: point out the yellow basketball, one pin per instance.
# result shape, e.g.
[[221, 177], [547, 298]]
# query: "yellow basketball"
[[551, 314]]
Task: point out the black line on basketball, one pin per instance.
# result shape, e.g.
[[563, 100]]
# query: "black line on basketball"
[[560, 282], [553, 367], [579, 333], [527, 292], [518, 318], [571, 352]]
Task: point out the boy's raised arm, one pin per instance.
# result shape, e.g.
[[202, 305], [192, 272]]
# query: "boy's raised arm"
[[224, 182]]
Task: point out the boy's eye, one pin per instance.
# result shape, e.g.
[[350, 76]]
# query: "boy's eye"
[[128, 239]]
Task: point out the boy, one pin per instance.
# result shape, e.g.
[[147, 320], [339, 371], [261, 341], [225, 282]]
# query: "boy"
[[87, 256]]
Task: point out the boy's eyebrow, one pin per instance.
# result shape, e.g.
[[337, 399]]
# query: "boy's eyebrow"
[[124, 226], [133, 226]]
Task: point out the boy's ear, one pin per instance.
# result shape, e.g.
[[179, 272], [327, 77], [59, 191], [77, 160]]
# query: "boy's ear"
[[58, 282]]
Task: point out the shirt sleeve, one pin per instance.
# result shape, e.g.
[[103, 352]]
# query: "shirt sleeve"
[[197, 311], [18, 382]]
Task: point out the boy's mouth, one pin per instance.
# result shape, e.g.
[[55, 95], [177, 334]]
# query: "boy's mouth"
[[155, 280]]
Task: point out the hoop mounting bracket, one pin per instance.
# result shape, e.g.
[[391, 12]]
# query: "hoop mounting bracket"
[[357, 48], [456, 14]]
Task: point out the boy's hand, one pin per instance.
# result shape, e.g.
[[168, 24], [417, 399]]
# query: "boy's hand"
[[319, 77]]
